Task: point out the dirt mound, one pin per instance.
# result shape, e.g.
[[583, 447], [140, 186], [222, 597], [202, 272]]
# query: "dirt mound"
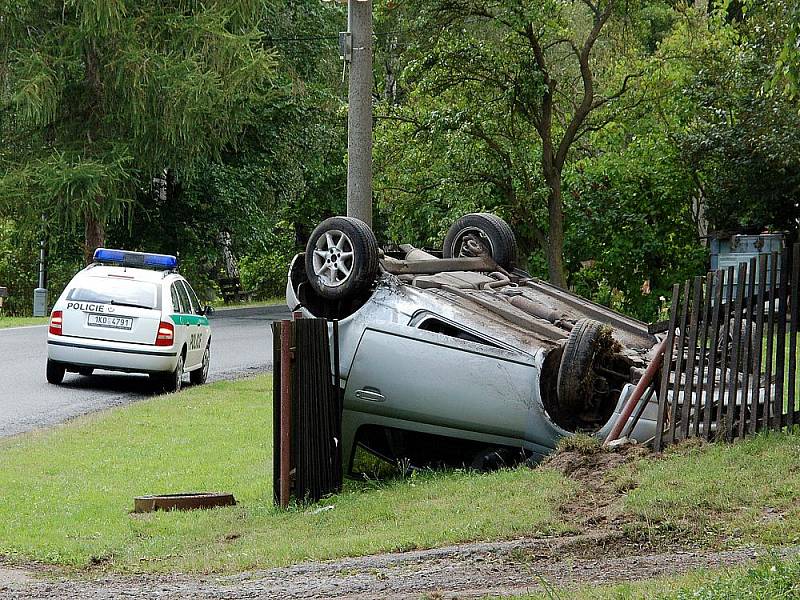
[[589, 464], [598, 504]]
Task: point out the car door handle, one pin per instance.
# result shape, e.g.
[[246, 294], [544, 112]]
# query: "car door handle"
[[370, 395]]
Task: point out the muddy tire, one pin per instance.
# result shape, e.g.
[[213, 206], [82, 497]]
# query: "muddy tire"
[[576, 365], [341, 258], [481, 233]]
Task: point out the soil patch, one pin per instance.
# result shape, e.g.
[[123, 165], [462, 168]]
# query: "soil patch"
[[598, 506], [464, 571]]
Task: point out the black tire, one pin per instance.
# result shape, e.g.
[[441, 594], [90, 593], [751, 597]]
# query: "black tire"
[[200, 376], [492, 459], [490, 231], [55, 372], [172, 382], [576, 365], [86, 371], [332, 275]]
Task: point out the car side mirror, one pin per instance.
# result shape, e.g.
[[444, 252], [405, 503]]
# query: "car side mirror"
[[208, 311]]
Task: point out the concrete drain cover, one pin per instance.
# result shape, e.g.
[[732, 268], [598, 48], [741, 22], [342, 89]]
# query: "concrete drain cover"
[[189, 501]]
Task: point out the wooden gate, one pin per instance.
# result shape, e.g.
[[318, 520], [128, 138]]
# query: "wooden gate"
[[730, 363]]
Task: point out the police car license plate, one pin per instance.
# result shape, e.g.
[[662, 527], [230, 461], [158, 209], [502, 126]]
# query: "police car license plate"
[[111, 322]]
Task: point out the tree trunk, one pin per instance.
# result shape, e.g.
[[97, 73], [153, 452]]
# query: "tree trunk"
[[95, 237], [555, 212], [555, 253]]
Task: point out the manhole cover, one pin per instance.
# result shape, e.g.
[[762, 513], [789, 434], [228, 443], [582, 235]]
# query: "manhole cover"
[[188, 501]]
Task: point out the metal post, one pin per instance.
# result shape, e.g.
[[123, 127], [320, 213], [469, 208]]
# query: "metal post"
[[641, 387], [359, 115], [40, 293]]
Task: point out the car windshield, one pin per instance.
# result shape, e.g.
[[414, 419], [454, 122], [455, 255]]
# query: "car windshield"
[[123, 292]]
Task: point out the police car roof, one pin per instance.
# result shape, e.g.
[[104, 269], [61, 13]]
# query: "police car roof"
[[135, 274]]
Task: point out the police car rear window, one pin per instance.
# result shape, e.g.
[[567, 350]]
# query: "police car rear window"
[[121, 292]]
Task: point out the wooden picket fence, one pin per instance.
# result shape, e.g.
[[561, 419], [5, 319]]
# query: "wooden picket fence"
[[730, 363]]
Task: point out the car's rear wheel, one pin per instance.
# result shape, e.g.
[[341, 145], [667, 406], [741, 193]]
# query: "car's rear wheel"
[[199, 376], [172, 382], [341, 258], [480, 234], [55, 372], [577, 362]]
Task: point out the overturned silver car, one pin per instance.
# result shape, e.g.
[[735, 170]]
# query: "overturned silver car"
[[460, 356]]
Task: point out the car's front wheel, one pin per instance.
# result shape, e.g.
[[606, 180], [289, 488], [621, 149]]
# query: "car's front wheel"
[[199, 376], [341, 258], [55, 372]]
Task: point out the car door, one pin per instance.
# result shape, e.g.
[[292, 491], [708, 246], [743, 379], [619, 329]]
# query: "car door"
[[183, 321], [199, 331], [426, 377]]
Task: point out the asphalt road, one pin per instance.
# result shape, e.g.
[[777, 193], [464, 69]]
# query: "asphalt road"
[[242, 344]]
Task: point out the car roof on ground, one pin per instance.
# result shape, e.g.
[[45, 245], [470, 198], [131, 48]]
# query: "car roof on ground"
[[149, 275]]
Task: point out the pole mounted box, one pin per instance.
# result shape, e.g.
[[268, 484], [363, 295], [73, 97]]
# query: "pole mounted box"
[[346, 46]]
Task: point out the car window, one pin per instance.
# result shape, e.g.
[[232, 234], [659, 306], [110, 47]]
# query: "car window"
[[112, 290], [450, 330], [186, 306], [176, 299], [196, 309]]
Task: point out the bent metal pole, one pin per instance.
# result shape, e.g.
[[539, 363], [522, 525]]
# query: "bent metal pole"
[[641, 387]]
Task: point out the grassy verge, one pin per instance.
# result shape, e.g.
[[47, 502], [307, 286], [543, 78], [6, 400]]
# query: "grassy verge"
[[6, 322], [65, 494], [219, 303], [721, 494], [769, 579]]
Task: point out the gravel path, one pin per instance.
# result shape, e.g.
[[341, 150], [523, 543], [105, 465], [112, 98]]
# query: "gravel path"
[[463, 571]]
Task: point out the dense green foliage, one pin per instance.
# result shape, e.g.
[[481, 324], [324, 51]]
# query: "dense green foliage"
[[613, 136]]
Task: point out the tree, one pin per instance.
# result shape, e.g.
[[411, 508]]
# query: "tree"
[[510, 81], [743, 138], [100, 96]]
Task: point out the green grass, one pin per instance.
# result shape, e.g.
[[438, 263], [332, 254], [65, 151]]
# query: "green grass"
[[6, 322], [770, 579], [220, 304], [66, 494], [730, 494]]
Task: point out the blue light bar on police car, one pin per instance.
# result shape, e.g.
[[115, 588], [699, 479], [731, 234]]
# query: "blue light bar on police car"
[[135, 259]]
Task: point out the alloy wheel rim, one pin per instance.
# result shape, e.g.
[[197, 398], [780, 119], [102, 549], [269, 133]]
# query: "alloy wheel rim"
[[333, 258]]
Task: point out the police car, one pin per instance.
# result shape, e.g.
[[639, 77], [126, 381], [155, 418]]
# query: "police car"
[[130, 312]]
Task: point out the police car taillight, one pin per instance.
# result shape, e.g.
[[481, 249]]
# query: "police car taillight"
[[56, 322], [166, 334]]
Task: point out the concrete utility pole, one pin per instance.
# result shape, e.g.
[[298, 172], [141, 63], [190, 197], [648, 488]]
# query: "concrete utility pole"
[[359, 116]]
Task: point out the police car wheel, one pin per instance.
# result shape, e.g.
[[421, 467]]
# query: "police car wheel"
[[341, 258], [55, 372], [199, 376], [173, 381]]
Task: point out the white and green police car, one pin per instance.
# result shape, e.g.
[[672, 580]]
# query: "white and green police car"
[[130, 312]]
